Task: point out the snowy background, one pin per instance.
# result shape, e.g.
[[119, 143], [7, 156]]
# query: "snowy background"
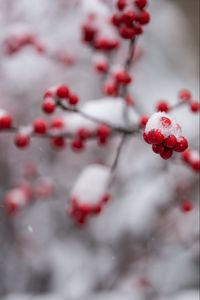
[[140, 247]]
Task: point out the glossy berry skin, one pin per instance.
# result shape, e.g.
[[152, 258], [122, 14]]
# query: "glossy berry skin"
[[186, 206], [39, 126], [141, 4], [182, 145], [158, 148], [195, 106], [22, 140], [170, 141], [48, 106], [163, 106], [185, 95], [62, 91], [155, 137], [145, 137], [5, 121], [166, 154]]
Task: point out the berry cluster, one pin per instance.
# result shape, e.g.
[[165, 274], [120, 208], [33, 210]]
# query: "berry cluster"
[[31, 187], [56, 94], [80, 212], [130, 18], [164, 135], [15, 43], [92, 35], [184, 97], [192, 159]]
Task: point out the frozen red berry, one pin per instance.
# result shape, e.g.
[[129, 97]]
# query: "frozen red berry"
[[121, 4], [158, 148], [155, 137], [182, 144], [73, 99], [170, 141], [143, 121], [166, 154], [143, 17], [141, 4]]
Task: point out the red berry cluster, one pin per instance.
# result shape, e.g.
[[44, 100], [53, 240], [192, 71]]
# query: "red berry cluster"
[[15, 43], [31, 188], [192, 159], [81, 212], [131, 17], [61, 93], [164, 135], [91, 34], [186, 96]]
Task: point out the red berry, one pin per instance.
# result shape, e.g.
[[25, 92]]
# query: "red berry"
[[59, 142], [182, 145], [62, 91], [83, 134], [121, 4], [143, 18], [138, 30], [57, 123], [123, 77], [158, 148], [101, 67], [73, 99], [167, 153], [155, 137], [116, 20], [186, 206], [5, 121], [127, 32], [77, 145], [48, 94], [143, 121], [170, 141], [145, 137], [110, 89], [185, 95], [88, 33], [39, 126], [141, 4], [195, 106], [196, 165], [22, 140], [163, 106], [48, 105], [186, 156], [103, 131], [128, 17]]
